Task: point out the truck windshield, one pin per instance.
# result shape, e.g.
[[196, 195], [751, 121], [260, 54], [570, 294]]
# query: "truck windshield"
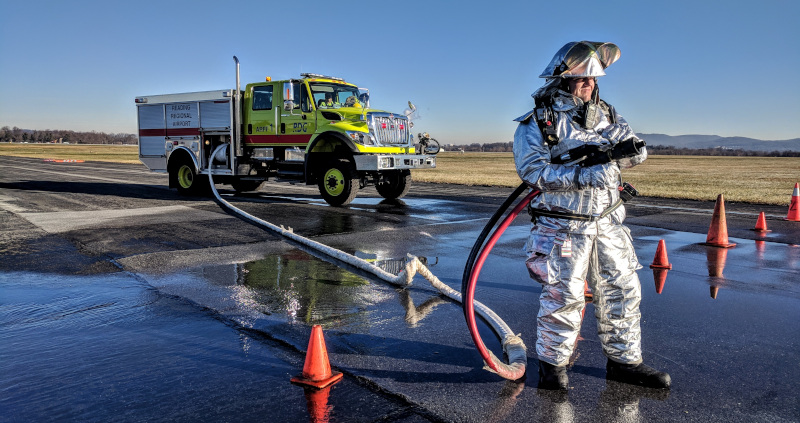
[[329, 95]]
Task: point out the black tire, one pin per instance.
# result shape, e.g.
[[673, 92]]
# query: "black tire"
[[396, 184], [246, 185], [188, 182], [338, 182]]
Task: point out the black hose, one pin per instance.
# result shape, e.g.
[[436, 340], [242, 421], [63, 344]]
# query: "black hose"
[[482, 238]]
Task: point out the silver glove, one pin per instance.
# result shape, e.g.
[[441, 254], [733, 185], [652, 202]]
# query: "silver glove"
[[615, 133]]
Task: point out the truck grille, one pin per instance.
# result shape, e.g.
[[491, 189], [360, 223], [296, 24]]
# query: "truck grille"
[[389, 128]]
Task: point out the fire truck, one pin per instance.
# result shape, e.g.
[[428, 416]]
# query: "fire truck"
[[316, 129]]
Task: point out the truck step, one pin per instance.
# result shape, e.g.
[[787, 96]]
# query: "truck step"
[[290, 174]]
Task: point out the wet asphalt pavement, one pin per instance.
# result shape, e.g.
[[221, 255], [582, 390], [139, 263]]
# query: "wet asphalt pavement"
[[120, 300]]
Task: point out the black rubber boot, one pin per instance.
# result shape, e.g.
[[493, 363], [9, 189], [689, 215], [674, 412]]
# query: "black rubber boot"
[[553, 377], [637, 374]]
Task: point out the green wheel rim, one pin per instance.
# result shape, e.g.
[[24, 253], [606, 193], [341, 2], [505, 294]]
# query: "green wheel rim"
[[334, 182], [185, 176]]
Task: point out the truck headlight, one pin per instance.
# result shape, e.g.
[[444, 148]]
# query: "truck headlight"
[[359, 137], [386, 163]]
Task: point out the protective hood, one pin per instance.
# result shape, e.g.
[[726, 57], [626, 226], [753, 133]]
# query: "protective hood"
[[581, 59]]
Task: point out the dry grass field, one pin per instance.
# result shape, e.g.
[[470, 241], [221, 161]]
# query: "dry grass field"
[[88, 152], [762, 180]]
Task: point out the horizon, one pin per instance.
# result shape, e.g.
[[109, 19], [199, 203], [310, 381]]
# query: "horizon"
[[443, 144], [82, 63]]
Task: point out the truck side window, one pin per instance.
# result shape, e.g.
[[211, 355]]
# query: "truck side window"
[[262, 97], [301, 99]]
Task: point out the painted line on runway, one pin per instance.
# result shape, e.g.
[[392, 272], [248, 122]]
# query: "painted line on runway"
[[90, 166], [700, 211], [5, 204], [57, 222], [109, 169], [455, 222], [122, 181]]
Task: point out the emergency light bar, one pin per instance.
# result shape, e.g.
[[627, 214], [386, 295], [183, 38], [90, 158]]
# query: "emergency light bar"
[[316, 75]]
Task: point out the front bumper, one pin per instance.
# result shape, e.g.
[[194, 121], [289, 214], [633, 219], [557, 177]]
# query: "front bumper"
[[379, 162]]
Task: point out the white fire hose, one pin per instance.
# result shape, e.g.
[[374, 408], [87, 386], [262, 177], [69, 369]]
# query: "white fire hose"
[[512, 344]]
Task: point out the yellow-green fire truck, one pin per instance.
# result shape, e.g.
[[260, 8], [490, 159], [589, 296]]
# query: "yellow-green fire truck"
[[318, 129]]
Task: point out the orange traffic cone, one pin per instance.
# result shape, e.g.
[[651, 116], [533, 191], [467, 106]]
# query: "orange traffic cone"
[[718, 231], [761, 224], [714, 291], [659, 277], [660, 261], [317, 369], [794, 206], [317, 404]]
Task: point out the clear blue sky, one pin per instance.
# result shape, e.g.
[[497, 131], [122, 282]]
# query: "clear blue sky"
[[729, 68]]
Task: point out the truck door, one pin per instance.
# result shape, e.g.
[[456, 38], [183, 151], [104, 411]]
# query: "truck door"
[[152, 134], [261, 127], [297, 127]]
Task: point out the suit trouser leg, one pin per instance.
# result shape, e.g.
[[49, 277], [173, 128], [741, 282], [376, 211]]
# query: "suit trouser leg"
[[562, 301], [617, 295]]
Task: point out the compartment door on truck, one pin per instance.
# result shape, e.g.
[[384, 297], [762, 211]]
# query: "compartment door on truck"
[[261, 128], [297, 127], [152, 148]]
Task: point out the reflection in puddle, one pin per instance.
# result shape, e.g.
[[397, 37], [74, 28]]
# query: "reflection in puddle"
[[306, 289], [313, 291], [415, 314], [319, 411], [660, 278], [716, 258], [620, 402]]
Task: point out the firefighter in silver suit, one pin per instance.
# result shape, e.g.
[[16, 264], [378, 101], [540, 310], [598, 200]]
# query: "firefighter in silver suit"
[[577, 233]]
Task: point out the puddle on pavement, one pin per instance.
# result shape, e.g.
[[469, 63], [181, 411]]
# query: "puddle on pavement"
[[756, 266], [110, 347], [297, 288], [305, 289]]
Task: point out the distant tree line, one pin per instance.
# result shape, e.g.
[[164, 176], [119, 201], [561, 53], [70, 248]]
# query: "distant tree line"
[[716, 151], [62, 136], [493, 147], [651, 149]]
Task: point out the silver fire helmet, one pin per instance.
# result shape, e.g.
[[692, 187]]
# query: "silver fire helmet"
[[579, 59]]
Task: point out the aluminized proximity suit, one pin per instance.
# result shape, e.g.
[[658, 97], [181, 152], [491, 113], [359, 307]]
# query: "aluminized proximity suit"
[[562, 253]]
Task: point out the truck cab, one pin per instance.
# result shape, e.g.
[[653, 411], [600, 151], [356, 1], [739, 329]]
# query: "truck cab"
[[322, 130]]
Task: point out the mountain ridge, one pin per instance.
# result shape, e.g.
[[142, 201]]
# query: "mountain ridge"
[[715, 141]]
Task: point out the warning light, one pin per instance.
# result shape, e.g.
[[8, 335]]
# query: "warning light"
[[402, 127], [269, 78], [383, 125]]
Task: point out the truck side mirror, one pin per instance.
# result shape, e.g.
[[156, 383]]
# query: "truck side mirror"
[[288, 96], [363, 97]]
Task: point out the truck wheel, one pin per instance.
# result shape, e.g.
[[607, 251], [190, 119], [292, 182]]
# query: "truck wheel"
[[396, 184], [187, 180], [245, 185], [338, 182]]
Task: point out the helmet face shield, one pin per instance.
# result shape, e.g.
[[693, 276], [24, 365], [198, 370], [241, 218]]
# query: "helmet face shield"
[[581, 59]]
